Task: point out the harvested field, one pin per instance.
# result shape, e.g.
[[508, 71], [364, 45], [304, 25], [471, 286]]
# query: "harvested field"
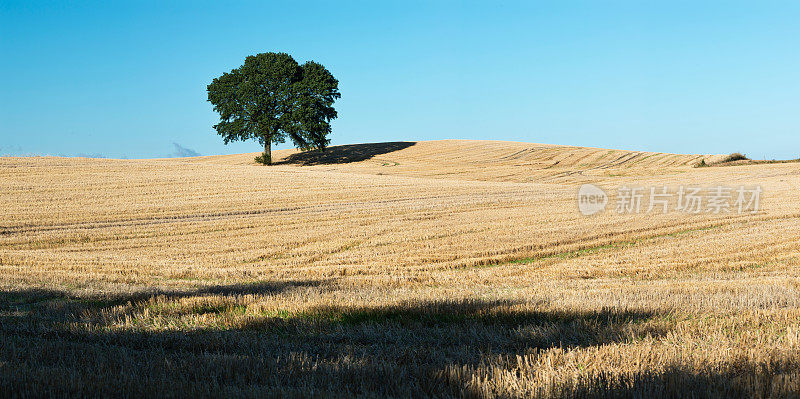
[[445, 268]]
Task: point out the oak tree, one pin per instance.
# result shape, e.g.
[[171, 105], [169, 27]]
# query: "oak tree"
[[271, 98]]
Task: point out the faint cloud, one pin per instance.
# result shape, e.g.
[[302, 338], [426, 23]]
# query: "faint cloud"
[[182, 152]]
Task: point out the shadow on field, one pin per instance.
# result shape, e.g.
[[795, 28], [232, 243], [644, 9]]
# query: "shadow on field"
[[61, 300], [211, 342], [33, 296], [345, 153]]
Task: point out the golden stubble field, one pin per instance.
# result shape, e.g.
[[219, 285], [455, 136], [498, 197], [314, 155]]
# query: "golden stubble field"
[[449, 268]]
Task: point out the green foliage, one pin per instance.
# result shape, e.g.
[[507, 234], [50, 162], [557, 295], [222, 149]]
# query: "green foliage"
[[271, 97], [265, 158], [735, 157]]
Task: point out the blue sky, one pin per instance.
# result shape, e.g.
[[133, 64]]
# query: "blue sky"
[[128, 79]]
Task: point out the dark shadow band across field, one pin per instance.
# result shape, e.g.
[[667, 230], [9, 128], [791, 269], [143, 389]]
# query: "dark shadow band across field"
[[52, 343], [341, 154]]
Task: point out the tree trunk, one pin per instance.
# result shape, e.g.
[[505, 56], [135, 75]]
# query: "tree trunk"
[[268, 151]]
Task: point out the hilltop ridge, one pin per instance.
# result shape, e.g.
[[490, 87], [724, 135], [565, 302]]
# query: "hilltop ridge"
[[479, 160]]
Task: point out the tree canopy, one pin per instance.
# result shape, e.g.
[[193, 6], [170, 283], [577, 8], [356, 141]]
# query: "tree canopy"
[[271, 97]]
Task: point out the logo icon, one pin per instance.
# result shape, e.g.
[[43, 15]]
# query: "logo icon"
[[591, 199]]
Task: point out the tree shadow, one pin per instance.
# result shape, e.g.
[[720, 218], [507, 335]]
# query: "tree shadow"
[[341, 154], [53, 343], [57, 301]]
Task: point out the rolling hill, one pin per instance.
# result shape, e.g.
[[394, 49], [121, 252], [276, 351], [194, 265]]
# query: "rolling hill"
[[481, 160], [449, 268]]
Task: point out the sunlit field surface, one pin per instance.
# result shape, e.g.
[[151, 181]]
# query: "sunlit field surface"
[[449, 268]]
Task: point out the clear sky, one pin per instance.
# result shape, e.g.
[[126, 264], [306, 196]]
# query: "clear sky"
[[128, 79]]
